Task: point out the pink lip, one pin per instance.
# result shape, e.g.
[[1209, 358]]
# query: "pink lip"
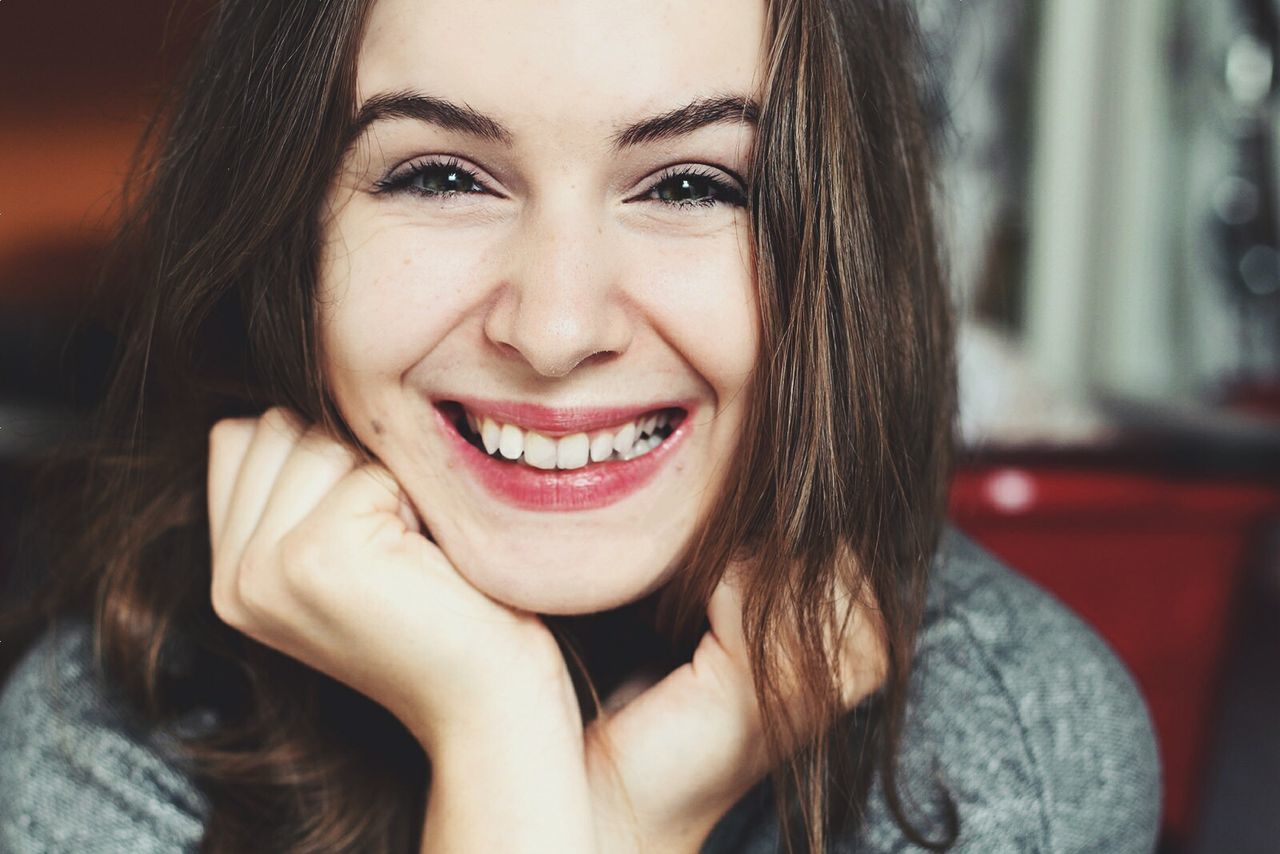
[[561, 422], [595, 485]]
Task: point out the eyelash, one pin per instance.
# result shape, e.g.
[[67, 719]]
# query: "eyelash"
[[722, 191]]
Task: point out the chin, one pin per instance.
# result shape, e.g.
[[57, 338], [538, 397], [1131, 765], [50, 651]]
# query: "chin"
[[563, 581]]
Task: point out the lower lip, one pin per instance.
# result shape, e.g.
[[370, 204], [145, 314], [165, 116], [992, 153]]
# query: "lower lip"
[[594, 485]]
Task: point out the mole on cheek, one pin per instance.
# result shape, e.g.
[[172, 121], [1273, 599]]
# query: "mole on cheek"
[[377, 427]]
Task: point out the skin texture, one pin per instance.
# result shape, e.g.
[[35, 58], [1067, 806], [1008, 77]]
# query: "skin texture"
[[564, 282], [562, 286]]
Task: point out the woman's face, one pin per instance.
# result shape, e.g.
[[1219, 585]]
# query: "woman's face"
[[538, 250]]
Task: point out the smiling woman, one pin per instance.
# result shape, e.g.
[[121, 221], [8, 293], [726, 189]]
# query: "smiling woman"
[[531, 433], [540, 244]]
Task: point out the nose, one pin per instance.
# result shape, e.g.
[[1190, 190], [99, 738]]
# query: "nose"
[[559, 305]]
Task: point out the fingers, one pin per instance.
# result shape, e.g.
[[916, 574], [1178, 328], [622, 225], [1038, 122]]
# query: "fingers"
[[724, 613], [853, 636], [368, 490], [278, 492], [228, 442], [722, 654], [864, 656], [267, 475], [376, 487], [315, 463], [276, 433]]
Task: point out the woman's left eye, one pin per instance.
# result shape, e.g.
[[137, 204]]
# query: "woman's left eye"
[[683, 188]]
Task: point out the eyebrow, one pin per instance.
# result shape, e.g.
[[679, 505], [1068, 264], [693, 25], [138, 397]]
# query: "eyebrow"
[[459, 117], [685, 120]]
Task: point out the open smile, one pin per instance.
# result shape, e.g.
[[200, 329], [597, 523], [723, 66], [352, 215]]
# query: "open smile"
[[543, 459]]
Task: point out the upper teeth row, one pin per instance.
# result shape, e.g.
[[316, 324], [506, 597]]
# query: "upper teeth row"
[[627, 442]]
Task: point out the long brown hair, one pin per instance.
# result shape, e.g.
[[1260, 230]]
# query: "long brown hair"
[[844, 461]]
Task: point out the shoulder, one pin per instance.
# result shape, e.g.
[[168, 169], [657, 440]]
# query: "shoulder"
[[1026, 718], [78, 773]]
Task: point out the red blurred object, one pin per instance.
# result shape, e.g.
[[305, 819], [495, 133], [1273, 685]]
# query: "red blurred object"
[[1257, 398], [1152, 562]]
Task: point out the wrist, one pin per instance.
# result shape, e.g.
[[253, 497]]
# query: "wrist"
[[682, 838], [510, 780], [625, 827], [525, 708]]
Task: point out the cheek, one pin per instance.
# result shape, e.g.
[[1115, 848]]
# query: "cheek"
[[703, 300], [388, 303]]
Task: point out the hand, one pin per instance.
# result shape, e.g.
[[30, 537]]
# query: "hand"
[[672, 761], [323, 559]]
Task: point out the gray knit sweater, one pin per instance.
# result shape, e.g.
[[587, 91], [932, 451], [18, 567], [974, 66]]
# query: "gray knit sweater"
[[1019, 711]]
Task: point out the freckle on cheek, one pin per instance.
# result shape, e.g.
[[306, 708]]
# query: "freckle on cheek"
[[377, 427]]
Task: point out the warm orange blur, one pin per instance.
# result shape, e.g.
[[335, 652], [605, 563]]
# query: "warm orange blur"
[[83, 78]]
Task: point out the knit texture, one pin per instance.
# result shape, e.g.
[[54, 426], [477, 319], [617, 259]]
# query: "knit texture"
[[1021, 713], [1018, 711]]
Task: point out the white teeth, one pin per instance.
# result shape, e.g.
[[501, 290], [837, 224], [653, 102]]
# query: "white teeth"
[[511, 442], [572, 452], [490, 434], [644, 446], [625, 439], [539, 450], [632, 440], [601, 447]]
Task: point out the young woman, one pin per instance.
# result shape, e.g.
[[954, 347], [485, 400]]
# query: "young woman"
[[531, 433]]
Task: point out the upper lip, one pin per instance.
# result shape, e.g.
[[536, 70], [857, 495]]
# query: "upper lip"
[[560, 421]]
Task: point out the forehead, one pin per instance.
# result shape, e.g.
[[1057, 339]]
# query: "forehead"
[[568, 65]]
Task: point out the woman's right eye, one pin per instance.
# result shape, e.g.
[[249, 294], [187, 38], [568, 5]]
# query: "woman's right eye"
[[434, 179]]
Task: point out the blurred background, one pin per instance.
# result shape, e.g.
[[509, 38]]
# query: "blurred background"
[[1109, 193]]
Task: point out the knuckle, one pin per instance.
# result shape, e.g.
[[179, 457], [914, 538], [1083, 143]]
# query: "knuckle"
[[228, 429], [380, 475], [302, 555], [253, 589], [225, 607], [318, 442], [281, 420]]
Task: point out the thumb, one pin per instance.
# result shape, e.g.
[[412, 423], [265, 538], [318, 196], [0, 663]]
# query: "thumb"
[[384, 492], [724, 613], [722, 654]]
